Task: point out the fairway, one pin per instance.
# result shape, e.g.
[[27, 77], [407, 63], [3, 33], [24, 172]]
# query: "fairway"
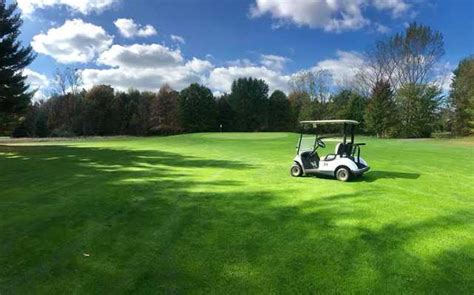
[[220, 213]]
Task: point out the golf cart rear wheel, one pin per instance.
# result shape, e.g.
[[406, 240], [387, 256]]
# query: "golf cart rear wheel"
[[343, 174], [296, 170]]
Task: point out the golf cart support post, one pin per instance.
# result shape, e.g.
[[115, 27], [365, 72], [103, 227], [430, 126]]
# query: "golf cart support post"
[[343, 164]]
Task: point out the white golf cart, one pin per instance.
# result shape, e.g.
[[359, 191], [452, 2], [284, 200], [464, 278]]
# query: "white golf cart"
[[343, 164]]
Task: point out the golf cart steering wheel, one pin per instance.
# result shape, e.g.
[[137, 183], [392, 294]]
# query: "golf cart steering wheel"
[[320, 143]]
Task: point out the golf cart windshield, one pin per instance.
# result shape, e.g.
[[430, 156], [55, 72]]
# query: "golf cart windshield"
[[307, 142]]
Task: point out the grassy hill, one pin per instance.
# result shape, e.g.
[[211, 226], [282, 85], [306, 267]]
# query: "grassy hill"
[[219, 213]]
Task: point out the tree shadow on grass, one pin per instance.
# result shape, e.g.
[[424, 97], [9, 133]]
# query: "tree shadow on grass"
[[151, 227]]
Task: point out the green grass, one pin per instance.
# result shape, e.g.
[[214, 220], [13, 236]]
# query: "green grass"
[[219, 213]]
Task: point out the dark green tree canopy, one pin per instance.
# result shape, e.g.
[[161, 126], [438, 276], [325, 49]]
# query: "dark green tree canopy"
[[462, 97], [14, 94], [248, 99], [99, 101], [418, 107], [226, 115], [198, 109], [381, 114], [279, 112], [165, 111]]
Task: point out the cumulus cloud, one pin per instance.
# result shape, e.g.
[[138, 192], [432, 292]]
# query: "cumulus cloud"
[[342, 68], [146, 67], [140, 56], [444, 81], [274, 62], [241, 62], [199, 66], [177, 76], [74, 41], [178, 39], [396, 6], [443, 76], [38, 82], [330, 15], [129, 29], [381, 28], [82, 6], [220, 79]]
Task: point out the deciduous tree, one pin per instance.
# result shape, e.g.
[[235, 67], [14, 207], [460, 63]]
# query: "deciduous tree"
[[226, 115], [314, 83], [165, 112], [249, 101], [404, 58], [99, 100], [418, 108], [279, 112], [198, 109]]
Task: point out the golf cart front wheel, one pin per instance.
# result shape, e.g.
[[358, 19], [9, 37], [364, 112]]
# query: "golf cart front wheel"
[[295, 170], [343, 174]]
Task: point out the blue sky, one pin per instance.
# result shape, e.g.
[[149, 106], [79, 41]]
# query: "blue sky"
[[144, 44]]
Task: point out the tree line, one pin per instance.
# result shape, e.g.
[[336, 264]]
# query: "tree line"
[[102, 111], [414, 110], [393, 94]]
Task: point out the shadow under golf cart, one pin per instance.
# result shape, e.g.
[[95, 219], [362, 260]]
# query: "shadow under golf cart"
[[372, 176]]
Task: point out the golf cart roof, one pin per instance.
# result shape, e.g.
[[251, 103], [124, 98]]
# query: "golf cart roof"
[[323, 122]]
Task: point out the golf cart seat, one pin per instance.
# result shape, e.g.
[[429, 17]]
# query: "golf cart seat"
[[343, 149], [329, 157], [310, 159]]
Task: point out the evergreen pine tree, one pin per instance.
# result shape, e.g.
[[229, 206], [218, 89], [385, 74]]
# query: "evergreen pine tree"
[[14, 94], [380, 116], [462, 97]]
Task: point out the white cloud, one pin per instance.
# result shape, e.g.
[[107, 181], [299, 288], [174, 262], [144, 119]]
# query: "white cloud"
[[241, 62], [146, 67], [129, 29], [381, 28], [145, 79], [330, 15], [74, 41], [274, 62], [444, 81], [396, 6], [178, 39], [220, 79], [443, 75], [344, 67], [38, 82], [199, 66], [82, 6], [140, 56], [178, 76]]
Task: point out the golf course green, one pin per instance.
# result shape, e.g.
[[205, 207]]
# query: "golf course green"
[[219, 213]]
